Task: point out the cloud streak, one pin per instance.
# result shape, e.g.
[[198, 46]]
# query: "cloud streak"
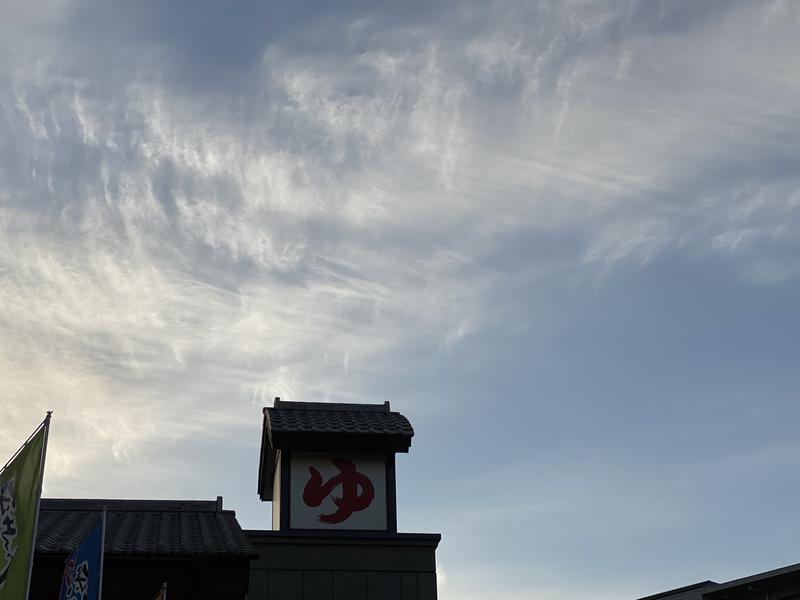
[[200, 215]]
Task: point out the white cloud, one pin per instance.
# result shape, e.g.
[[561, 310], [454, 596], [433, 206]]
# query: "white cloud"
[[171, 259]]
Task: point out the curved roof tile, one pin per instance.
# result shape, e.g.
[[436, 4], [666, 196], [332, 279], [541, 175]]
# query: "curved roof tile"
[[323, 417], [143, 527]]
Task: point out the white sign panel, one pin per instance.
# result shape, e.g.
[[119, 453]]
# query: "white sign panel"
[[337, 491]]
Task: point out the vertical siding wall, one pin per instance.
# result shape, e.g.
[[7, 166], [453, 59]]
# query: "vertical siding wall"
[[301, 566]]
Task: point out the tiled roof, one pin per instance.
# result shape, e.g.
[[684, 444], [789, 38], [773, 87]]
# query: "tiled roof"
[[323, 417], [327, 426], [143, 527]]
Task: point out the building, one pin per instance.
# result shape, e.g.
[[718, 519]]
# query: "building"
[[329, 472], [316, 548], [778, 584], [196, 546]]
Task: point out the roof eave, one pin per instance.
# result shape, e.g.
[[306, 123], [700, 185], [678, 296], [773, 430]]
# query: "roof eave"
[[266, 462], [353, 442]]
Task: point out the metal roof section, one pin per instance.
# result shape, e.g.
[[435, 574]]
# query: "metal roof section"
[[687, 592], [755, 586]]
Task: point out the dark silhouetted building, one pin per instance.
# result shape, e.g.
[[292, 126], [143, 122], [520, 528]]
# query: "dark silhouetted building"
[[329, 471], [196, 546], [779, 584]]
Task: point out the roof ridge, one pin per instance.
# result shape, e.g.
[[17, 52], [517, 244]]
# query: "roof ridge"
[[128, 504], [384, 407]]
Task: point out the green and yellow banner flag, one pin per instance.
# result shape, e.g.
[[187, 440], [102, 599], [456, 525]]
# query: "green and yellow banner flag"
[[20, 490]]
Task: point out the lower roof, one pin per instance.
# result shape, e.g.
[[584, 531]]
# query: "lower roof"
[[745, 588], [144, 528]]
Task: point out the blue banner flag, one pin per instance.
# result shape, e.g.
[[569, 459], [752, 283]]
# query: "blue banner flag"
[[83, 571]]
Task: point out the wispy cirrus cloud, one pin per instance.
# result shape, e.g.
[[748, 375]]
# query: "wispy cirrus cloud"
[[201, 208]]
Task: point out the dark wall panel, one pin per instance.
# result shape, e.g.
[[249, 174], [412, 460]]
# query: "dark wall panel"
[[408, 586], [259, 584], [285, 585], [427, 586], [341, 557], [384, 585], [317, 585], [296, 566], [349, 585]]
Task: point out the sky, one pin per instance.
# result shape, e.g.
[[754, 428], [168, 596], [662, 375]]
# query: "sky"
[[562, 238]]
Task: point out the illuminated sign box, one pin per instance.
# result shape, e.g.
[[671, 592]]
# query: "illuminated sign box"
[[331, 466]]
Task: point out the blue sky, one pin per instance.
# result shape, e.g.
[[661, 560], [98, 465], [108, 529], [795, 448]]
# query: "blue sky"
[[561, 237]]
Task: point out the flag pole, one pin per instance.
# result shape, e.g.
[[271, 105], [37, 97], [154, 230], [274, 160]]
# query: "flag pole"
[[102, 555], [46, 425]]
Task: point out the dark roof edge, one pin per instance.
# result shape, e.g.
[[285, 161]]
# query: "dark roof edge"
[[757, 577], [134, 505], [331, 406], [266, 460], [314, 441], [680, 590], [343, 536]]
